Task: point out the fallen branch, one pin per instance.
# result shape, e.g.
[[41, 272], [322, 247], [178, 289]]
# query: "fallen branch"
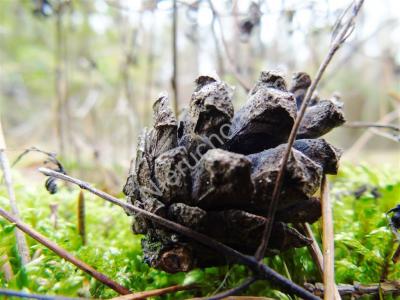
[[155, 293], [388, 287], [22, 246], [262, 271], [63, 253], [340, 38]]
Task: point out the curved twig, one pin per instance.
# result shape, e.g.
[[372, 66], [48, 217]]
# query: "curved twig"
[[340, 38], [262, 271]]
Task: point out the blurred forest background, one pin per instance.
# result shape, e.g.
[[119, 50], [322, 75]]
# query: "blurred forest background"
[[78, 77]]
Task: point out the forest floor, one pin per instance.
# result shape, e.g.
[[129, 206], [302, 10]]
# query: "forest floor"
[[364, 242]]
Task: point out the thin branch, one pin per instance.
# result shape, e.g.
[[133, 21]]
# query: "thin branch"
[[19, 294], [63, 253], [339, 40], [368, 134], [231, 62], [328, 239], [393, 137], [155, 293], [22, 245], [261, 270], [372, 125], [81, 216], [315, 251], [314, 248]]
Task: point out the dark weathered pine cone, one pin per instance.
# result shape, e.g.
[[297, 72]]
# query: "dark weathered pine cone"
[[215, 171]]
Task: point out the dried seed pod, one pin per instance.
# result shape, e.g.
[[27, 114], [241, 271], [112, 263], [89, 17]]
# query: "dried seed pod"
[[163, 136], [320, 119], [308, 210], [236, 228], [321, 152], [206, 123], [222, 192], [266, 119], [302, 176], [300, 83], [269, 79], [222, 179], [172, 173]]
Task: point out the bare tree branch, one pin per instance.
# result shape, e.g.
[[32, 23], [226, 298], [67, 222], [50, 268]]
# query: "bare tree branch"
[[338, 41]]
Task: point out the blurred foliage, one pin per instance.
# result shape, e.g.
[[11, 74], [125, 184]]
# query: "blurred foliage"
[[113, 57], [363, 243]]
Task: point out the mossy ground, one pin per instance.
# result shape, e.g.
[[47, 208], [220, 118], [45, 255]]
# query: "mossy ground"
[[363, 242]]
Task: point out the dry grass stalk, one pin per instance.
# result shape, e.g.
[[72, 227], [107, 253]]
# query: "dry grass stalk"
[[23, 249], [63, 253]]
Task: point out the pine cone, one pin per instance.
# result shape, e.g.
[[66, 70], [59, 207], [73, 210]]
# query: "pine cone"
[[215, 171]]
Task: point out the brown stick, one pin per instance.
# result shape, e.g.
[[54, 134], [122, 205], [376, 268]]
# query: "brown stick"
[[339, 40], [63, 253], [327, 242], [316, 252], [155, 293], [314, 249], [22, 245], [81, 217], [263, 272]]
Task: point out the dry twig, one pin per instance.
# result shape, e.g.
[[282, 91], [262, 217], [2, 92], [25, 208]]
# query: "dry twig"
[[327, 242], [262, 272], [338, 41], [23, 249], [63, 253], [314, 248]]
